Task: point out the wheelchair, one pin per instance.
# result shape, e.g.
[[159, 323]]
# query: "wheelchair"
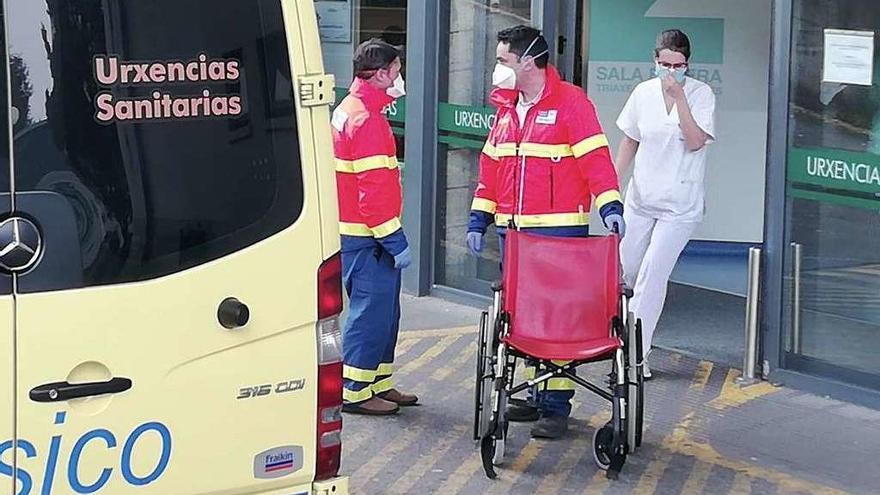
[[560, 305]]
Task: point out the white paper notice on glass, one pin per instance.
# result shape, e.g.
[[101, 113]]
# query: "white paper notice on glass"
[[334, 20], [849, 57]]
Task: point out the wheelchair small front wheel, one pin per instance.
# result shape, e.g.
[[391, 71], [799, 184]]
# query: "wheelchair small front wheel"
[[602, 446]]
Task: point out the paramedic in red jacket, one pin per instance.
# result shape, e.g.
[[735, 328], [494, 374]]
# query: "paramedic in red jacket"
[[544, 162], [374, 247]]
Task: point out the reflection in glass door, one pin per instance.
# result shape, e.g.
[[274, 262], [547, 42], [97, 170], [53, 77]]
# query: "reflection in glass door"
[[465, 117], [833, 197]]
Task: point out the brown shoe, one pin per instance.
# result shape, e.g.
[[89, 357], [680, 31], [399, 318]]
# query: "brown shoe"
[[372, 407], [401, 399]]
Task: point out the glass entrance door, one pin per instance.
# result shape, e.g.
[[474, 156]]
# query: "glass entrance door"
[[465, 117], [832, 317]]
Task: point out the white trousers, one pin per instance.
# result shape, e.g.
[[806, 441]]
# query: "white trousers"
[[648, 253]]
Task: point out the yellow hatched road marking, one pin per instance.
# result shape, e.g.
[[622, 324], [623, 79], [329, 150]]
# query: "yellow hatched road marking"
[[458, 479], [405, 484], [351, 443], [519, 465], [403, 346], [701, 378], [437, 332], [555, 480], [468, 355], [427, 356], [680, 442], [741, 485], [696, 482], [732, 395], [653, 473], [377, 462]]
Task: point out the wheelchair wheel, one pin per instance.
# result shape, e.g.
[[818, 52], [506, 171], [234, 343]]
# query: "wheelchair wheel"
[[503, 376], [494, 442], [602, 449], [640, 396], [485, 377], [635, 381]]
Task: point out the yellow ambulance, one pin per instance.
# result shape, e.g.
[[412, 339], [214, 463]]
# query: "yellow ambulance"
[[169, 269]]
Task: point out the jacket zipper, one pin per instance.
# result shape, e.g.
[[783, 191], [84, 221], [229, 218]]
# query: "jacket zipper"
[[552, 191], [520, 181]]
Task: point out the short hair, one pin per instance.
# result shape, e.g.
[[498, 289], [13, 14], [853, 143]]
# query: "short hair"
[[675, 40], [520, 37], [372, 55]]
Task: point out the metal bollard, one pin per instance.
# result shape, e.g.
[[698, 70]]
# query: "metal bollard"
[[750, 360]]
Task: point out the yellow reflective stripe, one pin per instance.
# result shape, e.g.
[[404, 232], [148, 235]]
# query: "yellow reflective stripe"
[[361, 230], [490, 151], [365, 164], [385, 370], [387, 228], [352, 396], [560, 384], [358, 375], [552, 383], [538, 150], [486, 205], [534, 150], [546, 220], [344, 166], [382, 386], [355, 229], [607, 197], [590, 144], [505, 149]]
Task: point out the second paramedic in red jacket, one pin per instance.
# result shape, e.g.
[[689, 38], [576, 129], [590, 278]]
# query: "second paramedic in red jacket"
[[374, 247], [544, 162]]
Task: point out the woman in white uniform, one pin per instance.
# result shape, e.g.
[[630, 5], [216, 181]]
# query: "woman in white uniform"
[[667, 123]]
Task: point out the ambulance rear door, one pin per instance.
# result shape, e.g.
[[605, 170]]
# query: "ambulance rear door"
[[166, 298]]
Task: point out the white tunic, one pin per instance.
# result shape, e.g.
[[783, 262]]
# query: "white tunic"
[[667, 181]]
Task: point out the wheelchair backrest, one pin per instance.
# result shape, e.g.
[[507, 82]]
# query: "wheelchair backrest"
[[561, 289]]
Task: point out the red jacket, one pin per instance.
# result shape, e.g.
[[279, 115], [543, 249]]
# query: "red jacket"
[[367, 175], [554, 163]]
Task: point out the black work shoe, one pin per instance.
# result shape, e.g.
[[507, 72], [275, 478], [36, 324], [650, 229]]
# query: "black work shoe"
[[553, 427], [520, 413]]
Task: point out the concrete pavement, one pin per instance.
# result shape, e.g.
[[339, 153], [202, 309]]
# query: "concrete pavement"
[[704, 434]]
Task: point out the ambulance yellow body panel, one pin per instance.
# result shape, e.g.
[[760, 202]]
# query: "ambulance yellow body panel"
[[169, 251]]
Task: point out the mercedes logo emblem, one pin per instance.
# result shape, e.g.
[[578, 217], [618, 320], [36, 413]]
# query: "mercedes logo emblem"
[[20, 244]]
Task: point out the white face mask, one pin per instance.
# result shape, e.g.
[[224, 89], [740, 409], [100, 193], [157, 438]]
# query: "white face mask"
[[662, 72], [398, 89], [504, 77]]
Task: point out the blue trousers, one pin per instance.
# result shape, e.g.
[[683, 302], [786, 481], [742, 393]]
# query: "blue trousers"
[[553, 397], [370, 332]]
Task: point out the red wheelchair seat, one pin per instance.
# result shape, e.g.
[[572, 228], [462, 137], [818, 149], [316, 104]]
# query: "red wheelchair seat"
[[561, 295]]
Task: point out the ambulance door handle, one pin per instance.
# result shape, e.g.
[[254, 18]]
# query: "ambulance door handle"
[[61, 391]]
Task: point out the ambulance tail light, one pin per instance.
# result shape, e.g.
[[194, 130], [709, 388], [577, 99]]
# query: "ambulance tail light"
[[330, 287], [329, 419]]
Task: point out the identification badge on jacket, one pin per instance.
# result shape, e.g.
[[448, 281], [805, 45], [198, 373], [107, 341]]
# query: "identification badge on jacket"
[[546, 117]]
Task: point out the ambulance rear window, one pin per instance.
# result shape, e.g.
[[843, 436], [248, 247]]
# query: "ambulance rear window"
[[168, 125]]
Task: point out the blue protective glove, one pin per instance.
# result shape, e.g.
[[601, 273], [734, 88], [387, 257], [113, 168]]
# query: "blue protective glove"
[[475, 243], [613, 220], [403, 260]]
